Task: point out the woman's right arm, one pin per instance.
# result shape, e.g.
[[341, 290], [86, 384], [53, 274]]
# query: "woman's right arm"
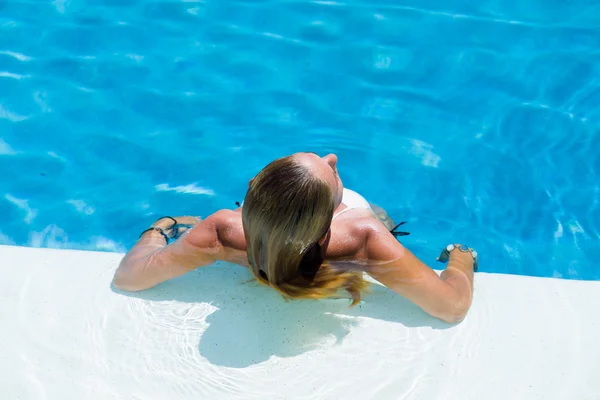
[[447, 297], [151, 261]]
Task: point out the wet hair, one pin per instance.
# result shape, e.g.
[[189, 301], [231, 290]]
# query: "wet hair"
[[287, 209]]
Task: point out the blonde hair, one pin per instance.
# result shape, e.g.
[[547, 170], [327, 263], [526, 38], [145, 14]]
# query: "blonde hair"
[[286, 211]]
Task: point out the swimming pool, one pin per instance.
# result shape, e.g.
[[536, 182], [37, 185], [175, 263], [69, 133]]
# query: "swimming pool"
[[476, 122]]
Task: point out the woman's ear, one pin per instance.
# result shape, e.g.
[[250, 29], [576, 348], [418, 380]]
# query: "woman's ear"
[[324, 238]]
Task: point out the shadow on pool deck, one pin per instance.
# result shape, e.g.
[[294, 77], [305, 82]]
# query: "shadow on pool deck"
[[253, 322]]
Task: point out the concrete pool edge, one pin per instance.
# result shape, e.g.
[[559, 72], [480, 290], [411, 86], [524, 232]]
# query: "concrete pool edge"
[[528, 337]]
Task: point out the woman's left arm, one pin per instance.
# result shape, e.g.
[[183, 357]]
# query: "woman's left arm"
[[447, 296], [151, 261]]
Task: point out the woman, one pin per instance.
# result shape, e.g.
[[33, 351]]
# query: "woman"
[[300, 232]]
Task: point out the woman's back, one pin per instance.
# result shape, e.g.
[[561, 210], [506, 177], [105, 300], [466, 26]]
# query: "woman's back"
[[347, 238]]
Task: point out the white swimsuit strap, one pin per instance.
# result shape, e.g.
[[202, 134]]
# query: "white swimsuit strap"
[[353, 200], [343, 211]]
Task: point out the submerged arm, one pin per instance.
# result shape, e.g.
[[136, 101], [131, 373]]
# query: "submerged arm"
[[151, 261], [447, 297]]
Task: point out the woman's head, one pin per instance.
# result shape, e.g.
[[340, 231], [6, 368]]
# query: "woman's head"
[[287, 215], [325, 169]]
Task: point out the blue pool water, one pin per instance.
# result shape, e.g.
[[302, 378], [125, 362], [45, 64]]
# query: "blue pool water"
[[477, 122]]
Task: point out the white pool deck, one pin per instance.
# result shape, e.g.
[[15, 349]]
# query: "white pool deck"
[[66, 334]]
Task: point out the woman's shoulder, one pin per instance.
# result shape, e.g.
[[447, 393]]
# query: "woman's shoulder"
[[227, 216], [227, 225], [349, 236]]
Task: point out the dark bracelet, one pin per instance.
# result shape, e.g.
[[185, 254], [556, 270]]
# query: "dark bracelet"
[[171, 218], [157, 229]]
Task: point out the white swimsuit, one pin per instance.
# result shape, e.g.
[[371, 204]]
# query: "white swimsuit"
[[353, 200]]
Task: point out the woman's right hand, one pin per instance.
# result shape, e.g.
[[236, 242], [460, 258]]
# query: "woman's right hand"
[[184, 223], [175, 230]]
